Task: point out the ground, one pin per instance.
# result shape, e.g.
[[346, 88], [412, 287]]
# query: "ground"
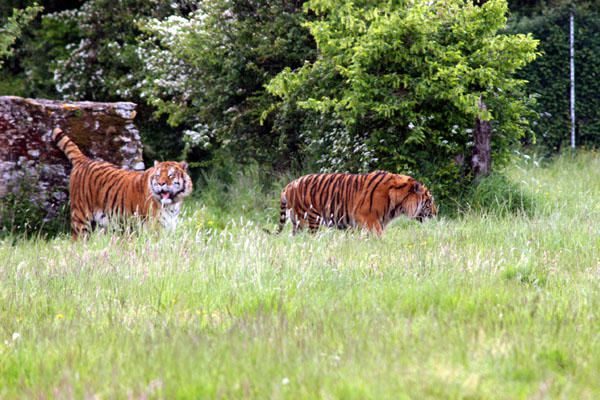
[[492, 303]]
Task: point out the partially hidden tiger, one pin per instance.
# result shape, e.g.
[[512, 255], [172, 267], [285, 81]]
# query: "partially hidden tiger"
[[100, 191], [341, 200]]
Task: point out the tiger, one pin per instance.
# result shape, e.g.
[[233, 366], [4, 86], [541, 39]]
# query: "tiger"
[[343, 200], [100, 190]]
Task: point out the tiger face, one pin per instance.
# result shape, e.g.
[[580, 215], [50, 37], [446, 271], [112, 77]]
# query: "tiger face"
[[169, 182], [428, 207], [412, 198]]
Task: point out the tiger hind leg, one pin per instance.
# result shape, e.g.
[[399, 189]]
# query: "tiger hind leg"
[[296, 225], [80, 227], [299, 223], [83, 223], [311, 221], [284, 214]]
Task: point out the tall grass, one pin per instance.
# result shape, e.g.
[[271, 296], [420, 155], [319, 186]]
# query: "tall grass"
[[485, 305]]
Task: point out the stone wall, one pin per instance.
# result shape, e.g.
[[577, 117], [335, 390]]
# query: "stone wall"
[[30, 161]]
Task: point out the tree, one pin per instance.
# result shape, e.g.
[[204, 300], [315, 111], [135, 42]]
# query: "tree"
[[402, 82], [102, 56], [207, 73], [12, 29], [201, 65], [91, 53]]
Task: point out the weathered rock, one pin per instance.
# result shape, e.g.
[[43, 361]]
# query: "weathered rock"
[[30, 161]]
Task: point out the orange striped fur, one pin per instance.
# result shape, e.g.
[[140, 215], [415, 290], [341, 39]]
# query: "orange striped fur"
[[369, 201], [100, 190]]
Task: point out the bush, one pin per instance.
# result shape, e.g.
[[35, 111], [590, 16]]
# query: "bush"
[[399, 86], [497, 195], [206, 72], [22, 217], [246, 192], [12, 28]]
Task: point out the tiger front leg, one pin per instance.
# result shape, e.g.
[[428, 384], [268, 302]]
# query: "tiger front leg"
[[371, 223], [298, 225]]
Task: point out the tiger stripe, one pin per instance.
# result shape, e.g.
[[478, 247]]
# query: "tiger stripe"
[[343, 200], [100, 190]]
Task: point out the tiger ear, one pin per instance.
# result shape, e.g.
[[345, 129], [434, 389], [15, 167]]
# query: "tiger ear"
[[183, 165], [156, 163], [417, 187]]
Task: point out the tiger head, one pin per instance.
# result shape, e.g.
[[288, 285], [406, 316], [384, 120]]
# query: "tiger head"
[[428, 207], [169, 182], [410, 197]]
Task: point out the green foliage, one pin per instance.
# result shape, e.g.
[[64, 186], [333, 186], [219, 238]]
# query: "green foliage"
[[395, 85], [89, 52], [101, 46], [20, 216], [45, 43], [207, 74], [10, 84], [12, 28], [161, 141], [404, 80], [548, 76], [231, 194]]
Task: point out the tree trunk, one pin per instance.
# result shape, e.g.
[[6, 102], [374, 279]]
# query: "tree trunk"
[[481, 161]]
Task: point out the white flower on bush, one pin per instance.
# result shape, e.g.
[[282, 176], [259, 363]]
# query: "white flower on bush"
[[199, 136], [341, 151], [169, 77]]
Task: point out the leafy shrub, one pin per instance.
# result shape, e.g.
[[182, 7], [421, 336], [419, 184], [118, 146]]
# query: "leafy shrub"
[[206, 72], [20, 216], [400, 86], [12, 28], [246, 192]]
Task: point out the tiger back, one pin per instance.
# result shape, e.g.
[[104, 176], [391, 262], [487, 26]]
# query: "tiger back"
[[100, 191], [342, 200]]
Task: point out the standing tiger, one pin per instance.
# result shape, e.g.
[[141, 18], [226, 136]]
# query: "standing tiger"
[[369, 201], [99, 190]]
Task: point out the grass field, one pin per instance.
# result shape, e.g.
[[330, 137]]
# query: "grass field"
[[488, 304]]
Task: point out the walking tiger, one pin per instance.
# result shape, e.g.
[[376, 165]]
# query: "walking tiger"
[[342, 200]]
